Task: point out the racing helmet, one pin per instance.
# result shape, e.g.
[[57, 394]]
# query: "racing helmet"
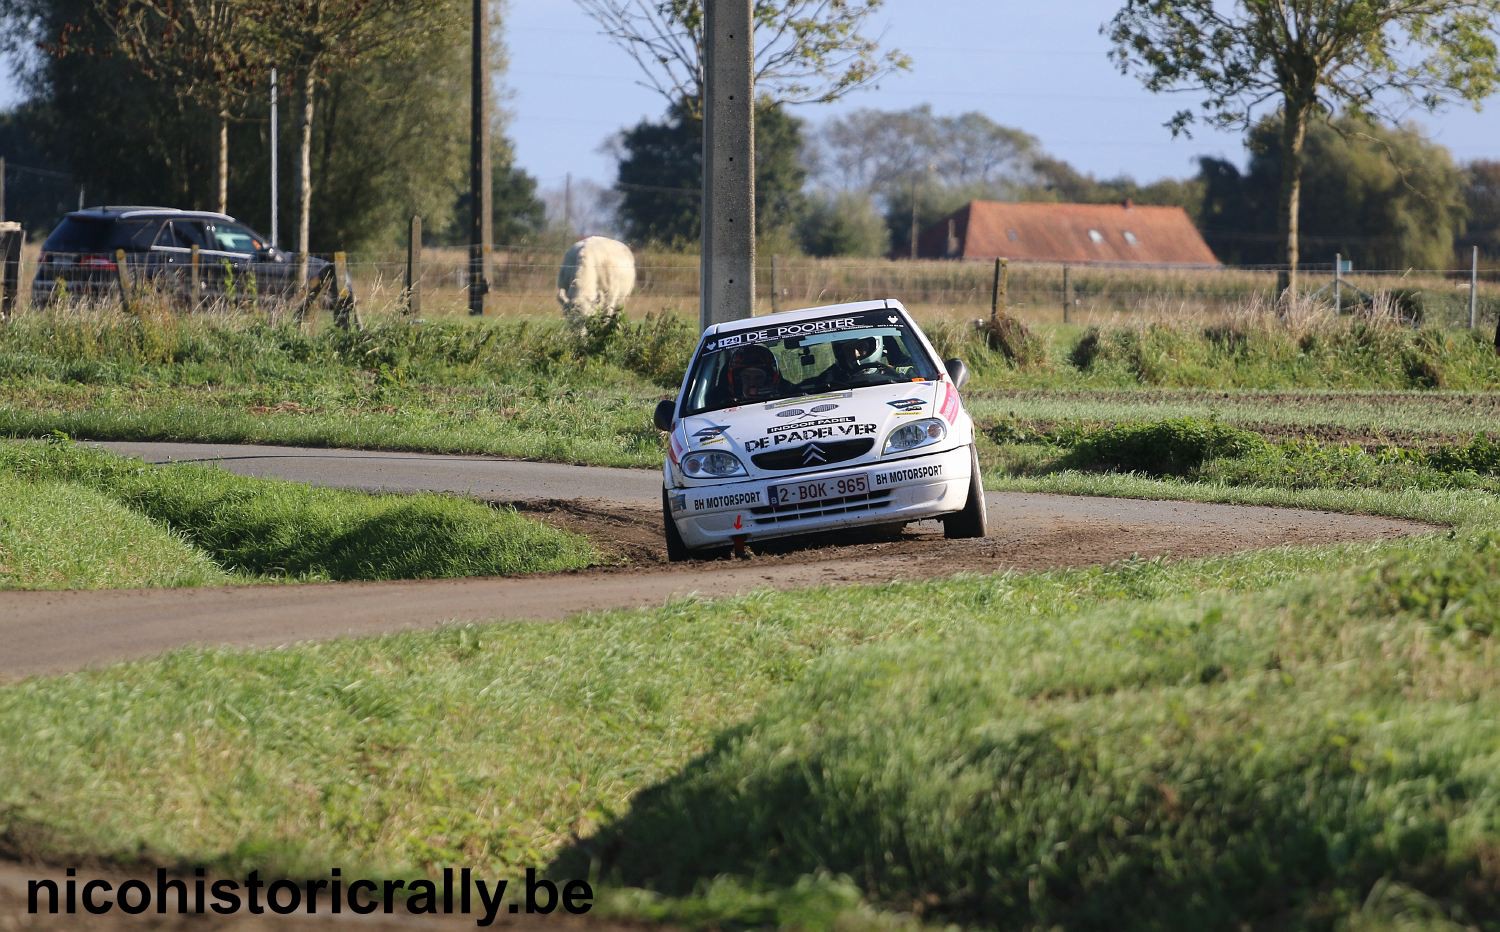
[[857, 351]]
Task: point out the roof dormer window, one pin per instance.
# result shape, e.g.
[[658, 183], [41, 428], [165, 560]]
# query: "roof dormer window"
[[1096, 236]]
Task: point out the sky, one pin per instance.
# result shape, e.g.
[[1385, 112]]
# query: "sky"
[[1041, 67]]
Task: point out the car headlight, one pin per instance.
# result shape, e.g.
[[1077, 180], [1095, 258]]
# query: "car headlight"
[[712, 464], [913, 435]]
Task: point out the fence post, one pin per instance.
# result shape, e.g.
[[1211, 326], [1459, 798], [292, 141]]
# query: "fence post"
[[345, 314], [1067, 294], [315, 290], [1474, 289], [413, 298], [10, 275], [1338, 283], [195, 278], [995, 294], [998, 288], [122, 273]]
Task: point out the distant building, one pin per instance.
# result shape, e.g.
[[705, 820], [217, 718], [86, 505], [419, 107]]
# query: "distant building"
[[1121, 233]]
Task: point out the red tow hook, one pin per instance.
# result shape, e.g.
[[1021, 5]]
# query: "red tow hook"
[[739, 546]]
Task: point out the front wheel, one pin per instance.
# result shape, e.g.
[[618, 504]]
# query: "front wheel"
[[677, 551], [974, 520]]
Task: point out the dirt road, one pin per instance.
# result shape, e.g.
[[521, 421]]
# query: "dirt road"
[[48, 632]]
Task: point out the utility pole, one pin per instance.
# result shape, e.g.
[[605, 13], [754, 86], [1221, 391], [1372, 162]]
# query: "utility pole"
[[727, 290], [2, 188], [568, 204], [1473, 284], [275, 178], [480, 224], [914, 217]]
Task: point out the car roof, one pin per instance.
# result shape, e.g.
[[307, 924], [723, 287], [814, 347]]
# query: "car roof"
[[806, 313], [118, 213]]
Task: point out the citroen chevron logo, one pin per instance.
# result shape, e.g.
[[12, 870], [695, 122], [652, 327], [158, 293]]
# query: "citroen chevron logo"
[[812, 453]]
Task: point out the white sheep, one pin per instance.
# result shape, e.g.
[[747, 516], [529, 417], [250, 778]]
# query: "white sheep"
[[597, 275]]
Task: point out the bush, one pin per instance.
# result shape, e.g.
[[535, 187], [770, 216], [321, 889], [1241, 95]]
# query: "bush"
[[1172, 447]]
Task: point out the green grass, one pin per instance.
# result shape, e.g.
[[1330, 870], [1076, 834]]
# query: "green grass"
[[525, 389], [1244, 758], [60, 535], [1411, 416], [1215, 456], [1288, 738], [884, 727], [196, 518]]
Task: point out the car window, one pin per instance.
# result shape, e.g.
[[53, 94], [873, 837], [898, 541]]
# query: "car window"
[[842, 353], [231, 237], [79, 234], [181, 234], [134, 234]]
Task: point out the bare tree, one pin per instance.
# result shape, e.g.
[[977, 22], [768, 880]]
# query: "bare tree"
[[1308, 58], [806, 51]]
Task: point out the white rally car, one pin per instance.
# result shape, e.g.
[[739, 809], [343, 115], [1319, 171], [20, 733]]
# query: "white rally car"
[[817, 419]]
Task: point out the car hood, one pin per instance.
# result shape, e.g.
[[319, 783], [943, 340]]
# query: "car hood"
[[812, 432]]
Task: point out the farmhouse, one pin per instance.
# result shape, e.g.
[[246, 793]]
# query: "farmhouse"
[[1121, 233]]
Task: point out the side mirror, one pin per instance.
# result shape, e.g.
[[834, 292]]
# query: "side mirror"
[[957, 371], [662, 417]]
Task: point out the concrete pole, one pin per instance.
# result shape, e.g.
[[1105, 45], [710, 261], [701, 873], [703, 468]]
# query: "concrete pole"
[[481, 224], [275, 174], [728, 242], [1338, 283], [1474, 288]]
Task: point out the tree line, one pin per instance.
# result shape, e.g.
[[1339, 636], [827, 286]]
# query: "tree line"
[[168, 102], [164, 100]]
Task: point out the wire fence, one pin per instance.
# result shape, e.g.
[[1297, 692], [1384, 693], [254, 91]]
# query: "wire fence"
[[525, 283]]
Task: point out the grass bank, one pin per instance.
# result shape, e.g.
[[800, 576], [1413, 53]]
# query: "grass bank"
[[497, 746], [85, 518], [526, 389], [61, 535]]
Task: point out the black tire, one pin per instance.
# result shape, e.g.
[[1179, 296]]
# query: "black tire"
[[677, 551], [974, 520]]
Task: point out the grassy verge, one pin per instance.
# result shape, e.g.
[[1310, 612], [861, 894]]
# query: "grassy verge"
[[60, 535], [526, 389], [328, 750], [1286, 738], [194, 519], [1193, 762]]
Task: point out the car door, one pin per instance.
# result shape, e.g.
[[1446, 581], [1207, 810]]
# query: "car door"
[[232, 267], [172, 253]]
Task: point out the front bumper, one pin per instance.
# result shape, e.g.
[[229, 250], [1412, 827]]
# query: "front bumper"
[[909, 489]]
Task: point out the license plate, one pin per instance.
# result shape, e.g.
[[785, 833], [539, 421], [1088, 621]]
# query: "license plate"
[[812, 490]]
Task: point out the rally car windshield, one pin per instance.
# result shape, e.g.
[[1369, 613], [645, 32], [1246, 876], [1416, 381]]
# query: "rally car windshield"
[[806, 358]]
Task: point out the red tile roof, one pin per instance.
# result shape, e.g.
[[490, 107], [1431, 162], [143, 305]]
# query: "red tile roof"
[[1105, 233]]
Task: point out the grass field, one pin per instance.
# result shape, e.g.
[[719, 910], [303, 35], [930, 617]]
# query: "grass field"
[[1298, 737], [73, 518], [523, 388]]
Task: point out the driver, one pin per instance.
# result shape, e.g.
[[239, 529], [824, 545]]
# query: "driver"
[[851, 358]]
